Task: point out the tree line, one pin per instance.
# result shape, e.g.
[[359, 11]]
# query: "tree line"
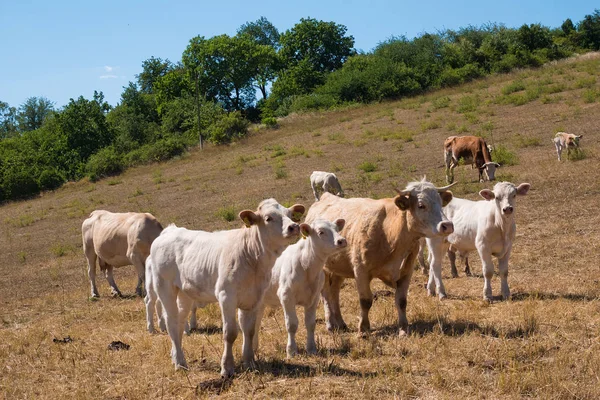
[[224, 83]]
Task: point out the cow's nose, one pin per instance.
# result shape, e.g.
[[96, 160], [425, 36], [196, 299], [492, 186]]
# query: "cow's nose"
[[446, 228], [341, 243], [293, 228], [508, 210]]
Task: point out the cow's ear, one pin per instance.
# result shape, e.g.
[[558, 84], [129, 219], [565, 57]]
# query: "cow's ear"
[[249, 218], [402, 202], [340, 223], [446, 197], [297, 212], [580, 136], [305, 230], [487, 194], [523, 188], [498, 165]]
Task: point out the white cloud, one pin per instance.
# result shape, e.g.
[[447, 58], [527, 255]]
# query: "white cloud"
[[108, 68], [108, 76]]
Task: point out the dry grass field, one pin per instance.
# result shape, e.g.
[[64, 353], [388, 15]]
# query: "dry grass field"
[[544, 343]]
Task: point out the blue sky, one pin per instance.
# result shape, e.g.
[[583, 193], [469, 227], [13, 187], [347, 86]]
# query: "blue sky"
[[64, 49]]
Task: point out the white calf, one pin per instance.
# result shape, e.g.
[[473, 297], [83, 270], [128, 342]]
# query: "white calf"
[[567, 141], [487, 226], [326, 180], [298, 279], [231, 267]]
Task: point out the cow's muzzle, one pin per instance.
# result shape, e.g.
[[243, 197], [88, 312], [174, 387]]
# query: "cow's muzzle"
[[508, 210], [446, 228], [341, 243], [293, 230]]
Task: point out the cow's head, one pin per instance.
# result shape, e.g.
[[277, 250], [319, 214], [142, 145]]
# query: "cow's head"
[[277, 222], [573, 140], [424, 202], [325, 236], [505, 194], [489, 170]]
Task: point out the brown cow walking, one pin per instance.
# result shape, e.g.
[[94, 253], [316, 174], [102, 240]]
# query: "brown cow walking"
[[471, 149]]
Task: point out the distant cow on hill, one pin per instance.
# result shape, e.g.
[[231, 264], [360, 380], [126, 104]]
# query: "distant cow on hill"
[[116, 240], [563, 140], [471, 149], [327, 181]]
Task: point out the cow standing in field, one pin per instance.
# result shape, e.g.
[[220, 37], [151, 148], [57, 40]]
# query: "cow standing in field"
[[487, 226], [383, 242], [327, 181], [230, 267], [569, 141], [298, 278], [116, 240], [471, 149]]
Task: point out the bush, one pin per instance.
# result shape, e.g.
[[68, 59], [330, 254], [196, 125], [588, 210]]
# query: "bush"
[[19, 184], [270, 122], [50, 179], [228, 128], [161, 150], [104, 163], [504, 156], [313, 101]]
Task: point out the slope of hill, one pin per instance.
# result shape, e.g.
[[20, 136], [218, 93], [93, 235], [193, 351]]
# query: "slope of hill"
[[543, 343]]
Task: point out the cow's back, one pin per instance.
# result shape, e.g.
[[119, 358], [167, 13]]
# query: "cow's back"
[[365, 232]]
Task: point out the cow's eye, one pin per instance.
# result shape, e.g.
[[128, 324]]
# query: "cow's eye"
[[268, 218], [321, 233], [421, 206]]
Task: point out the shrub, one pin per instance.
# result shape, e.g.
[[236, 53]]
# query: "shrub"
[[228, 128], [504, 156], [50, 179], [467, 104], [441, 102], [19, 184], [270, 122], [313, 101], [513, 87], [104, 163], [367, 166], [161, 150]]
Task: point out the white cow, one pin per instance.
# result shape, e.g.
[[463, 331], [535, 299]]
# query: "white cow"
[[563, 140], [116, 240], [326, 180], [487, 226], [298, 279], [230, 267]]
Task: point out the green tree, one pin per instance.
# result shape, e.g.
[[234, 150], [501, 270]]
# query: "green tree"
[[152, 70], [568, 27], [33, 112], [261, 31], [8, 120], [174, 84], [589, 31]]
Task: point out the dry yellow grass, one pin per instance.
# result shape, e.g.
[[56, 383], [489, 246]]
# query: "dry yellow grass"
[[544, 343]]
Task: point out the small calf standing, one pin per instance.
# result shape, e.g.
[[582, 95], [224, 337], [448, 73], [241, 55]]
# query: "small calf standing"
[[116, 240], [563, 140], [298, 277], [326, 180], [487, 226], [230, 267]]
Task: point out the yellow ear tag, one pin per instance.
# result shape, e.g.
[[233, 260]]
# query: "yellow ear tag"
[[247, 222], [304, 236]]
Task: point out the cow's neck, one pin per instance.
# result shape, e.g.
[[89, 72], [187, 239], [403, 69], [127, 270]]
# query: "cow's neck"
[[402, 233], [312, 258], [505, 225], [256, 249]]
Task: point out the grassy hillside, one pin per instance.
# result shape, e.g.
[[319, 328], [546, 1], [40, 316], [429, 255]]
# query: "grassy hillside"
[[545, 342]]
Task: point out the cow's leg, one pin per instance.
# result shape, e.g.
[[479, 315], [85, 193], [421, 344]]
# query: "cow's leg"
[[436, 255], [401, 296], [465, 258], [108, 273], [487, 266], [448, 162], [90, 255], [260, 310], [139, 262], [331, 302], [150, 301], [310, 321], [365, 296], [558, 149], [288, 303], [184, 303], [162, 324], [503, 272], [168, 293], [228, 304], [193, 317], [452, 257], [314, 189], [248, 325], [422, 257]]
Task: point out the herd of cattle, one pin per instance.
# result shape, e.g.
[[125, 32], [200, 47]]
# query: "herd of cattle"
[[247, 269]]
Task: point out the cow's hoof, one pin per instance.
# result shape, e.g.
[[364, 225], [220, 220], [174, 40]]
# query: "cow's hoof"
[[181, 366], [403, 332], [454, 274], [311, 350], [442, 296], [227, 373]]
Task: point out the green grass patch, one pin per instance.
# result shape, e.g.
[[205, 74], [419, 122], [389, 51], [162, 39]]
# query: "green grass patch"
[[114, 182], [590, 95], [504, 156], [451, 126], [226, 213], [585, 82], [522, 141], [429, 125], [513, 87], [441, 102], [467, 104], [367, 166]]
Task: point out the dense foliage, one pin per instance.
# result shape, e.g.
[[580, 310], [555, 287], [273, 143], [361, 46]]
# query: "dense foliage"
[[211, 94]]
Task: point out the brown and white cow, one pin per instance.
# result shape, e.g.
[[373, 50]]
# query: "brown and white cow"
[[383, 242], [116, 240], [471, 149], [569, 141]]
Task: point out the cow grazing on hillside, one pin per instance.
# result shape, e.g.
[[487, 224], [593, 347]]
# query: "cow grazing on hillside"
[[471, 149], [487, 226], [563, 140], [116, 240], [383, 242], [298, 278], [230, 267], [327, 181]]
